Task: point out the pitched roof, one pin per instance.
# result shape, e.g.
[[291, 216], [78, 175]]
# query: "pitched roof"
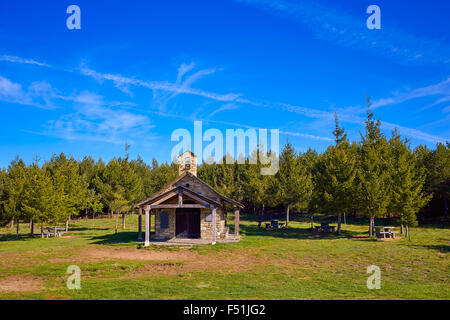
[[170, 187], [173, 192]]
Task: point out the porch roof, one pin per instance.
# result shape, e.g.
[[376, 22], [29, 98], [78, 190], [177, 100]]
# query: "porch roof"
[[159, 201], [171, 187]]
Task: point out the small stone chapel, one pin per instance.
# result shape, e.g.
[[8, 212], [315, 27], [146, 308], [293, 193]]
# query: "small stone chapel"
[[187, 208]]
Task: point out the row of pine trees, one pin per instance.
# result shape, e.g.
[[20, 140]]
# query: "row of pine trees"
[[374, 177]]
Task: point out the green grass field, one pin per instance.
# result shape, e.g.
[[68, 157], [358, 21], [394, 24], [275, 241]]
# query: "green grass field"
[[281, 264]]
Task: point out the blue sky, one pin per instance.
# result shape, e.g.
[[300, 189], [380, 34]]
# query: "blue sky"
[[138, 70]]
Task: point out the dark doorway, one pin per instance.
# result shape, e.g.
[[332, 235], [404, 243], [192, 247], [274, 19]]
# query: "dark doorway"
[[187, 223]]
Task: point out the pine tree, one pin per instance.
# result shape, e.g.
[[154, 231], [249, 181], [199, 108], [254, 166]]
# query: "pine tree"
[[407, 181], [293, 181], [373, 188], [38, 195], [14, 196], [69, 187], [440, 174], [268, 180], [238, 192], [436, 165], [118, 204], [109, 188], [225, 178], [253, 183], [3, 196], [131, 187], [317, 200], [336, 176], [88, 172], [92, 202], [144, 172], [162, 175], [340, 136]]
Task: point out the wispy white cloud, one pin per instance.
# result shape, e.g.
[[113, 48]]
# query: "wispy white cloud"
[[340, 28], [95, 120], [439, 89], [10, 89], [235, 124], [42, 94], [346, 117], [161, 99], [183, 88], [15, 59], [444, 121], [38, 94], [13, 92], [288, 133], [183, 69], [415, 133], [123, 83], [227, 106], [353, 118]]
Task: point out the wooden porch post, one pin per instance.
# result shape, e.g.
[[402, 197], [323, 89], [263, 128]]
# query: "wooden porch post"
[[236, 222], [214, 226], [147, 226], [152, 212], [140, 224], [180, 197]]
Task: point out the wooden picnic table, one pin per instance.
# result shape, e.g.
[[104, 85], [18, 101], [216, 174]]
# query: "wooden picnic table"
[[275, 224], [386, 232], [325, 227], [51, 231]]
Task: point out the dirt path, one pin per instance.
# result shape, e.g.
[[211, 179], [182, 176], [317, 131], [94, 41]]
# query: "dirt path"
[[21, 284]]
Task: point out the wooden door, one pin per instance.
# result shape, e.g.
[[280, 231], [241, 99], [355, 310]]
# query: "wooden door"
[[187, 222], [180, 222], [194, 224]]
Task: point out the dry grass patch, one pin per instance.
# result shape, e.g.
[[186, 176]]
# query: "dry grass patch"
[[19, 284], [113, 253]]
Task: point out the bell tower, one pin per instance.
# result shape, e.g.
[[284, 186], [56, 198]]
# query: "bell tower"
[[187, 162]]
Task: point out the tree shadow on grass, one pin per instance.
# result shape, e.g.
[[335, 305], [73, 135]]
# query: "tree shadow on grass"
[[87, 229], [320, 218], [295, 233], [434, 224], [125, 238], [13, 237], [441, 248]]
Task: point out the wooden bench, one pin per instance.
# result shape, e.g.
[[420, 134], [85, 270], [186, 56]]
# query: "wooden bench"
[[325, 227], [393, 234], [382, 234], [48, 232]]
